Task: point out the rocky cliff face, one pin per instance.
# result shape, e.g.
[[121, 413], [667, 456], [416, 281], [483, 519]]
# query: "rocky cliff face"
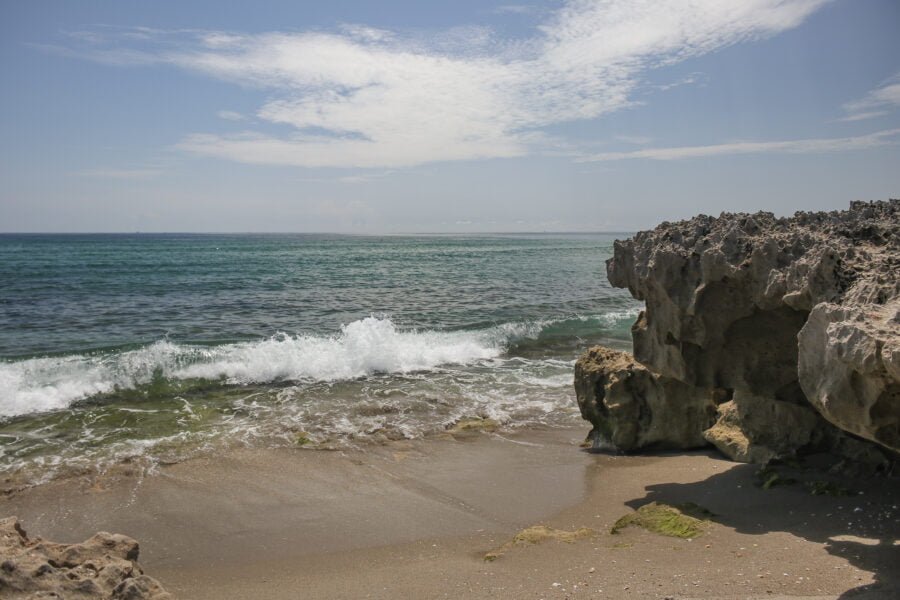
[[102, 567], [791, 326]]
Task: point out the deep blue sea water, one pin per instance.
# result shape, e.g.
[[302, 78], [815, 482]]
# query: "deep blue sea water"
[[160, 347]]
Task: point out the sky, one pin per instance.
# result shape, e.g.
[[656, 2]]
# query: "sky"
[[467, 116]]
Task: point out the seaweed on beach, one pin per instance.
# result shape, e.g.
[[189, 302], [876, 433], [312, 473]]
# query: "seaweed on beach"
[[537, 534], [683, 521]]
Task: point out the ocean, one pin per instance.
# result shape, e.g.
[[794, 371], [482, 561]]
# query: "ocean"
[[148, 349]]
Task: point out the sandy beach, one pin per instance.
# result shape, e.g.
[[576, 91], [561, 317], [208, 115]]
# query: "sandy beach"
[[415, 520]]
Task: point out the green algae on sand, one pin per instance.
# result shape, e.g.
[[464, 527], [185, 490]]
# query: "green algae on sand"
[[537, 534], [682, 521]]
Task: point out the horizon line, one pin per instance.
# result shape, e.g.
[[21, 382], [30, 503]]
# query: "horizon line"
[[542, 232]]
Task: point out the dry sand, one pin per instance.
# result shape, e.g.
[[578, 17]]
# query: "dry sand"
[[415, 520]]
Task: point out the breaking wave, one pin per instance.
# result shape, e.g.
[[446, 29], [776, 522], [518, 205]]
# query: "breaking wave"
[[361, 348]]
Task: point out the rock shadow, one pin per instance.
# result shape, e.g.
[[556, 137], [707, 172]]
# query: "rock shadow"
[[855, 519]]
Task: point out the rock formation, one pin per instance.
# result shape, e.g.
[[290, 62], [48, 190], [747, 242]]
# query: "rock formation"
[[790, 326], [632, 407], [102, 567]]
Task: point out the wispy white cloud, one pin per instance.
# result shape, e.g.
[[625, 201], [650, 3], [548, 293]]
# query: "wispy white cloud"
[[691, 79], [363, 97], [810, 146], [863, 116], [230, 115], [365, 33], [878, 102]]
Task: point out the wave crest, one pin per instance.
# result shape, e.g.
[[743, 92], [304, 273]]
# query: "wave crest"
[[362, 347]]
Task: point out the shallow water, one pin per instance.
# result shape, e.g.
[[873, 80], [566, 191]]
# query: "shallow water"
[[155, 348]]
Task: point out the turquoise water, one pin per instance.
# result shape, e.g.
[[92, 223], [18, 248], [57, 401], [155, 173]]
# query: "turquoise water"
[[159, 347]]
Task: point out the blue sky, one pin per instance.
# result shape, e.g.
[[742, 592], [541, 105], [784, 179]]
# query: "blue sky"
[[389, 116]]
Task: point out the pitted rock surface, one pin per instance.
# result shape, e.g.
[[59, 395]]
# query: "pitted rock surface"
[[632, 407], [792, 323], [104, 566]]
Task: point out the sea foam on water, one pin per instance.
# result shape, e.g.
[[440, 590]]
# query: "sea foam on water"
[[363, 347]]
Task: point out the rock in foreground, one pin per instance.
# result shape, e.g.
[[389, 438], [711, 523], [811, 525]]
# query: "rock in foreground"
[[791, 325], [104, 566], [632, 408]]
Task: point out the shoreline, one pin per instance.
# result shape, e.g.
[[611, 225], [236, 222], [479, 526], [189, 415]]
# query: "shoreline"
[[415, 519]]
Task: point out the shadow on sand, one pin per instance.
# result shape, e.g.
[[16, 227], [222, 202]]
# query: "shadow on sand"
[[862, 525]]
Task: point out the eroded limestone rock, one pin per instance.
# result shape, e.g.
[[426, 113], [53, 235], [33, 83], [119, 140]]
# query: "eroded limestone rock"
[[632, 408], [849, 367], [104, 566], [793, 321], [757, 429]]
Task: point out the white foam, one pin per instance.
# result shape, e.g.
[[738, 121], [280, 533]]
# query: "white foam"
[[522, 329], [361, 348], [614, 317], [42, 384]]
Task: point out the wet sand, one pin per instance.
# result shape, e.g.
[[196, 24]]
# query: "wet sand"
[[415, 519]]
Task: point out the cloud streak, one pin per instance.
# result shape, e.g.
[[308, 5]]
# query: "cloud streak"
[[370, 98], [880, 101], [810, 146], [230, 115]]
